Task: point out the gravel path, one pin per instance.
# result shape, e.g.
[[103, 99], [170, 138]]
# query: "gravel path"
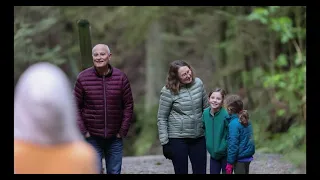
[[157, 164]]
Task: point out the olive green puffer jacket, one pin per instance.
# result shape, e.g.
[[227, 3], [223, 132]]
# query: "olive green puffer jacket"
[[180, 116]]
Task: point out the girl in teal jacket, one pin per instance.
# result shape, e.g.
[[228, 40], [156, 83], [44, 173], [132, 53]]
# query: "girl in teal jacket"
[[241, 147], [216, 130]]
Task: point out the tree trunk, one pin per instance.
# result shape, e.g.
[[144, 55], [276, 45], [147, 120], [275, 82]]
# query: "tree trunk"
[[154, 66], [85, 44]]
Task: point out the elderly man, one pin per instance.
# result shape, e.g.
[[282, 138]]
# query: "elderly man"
[[105, 107]]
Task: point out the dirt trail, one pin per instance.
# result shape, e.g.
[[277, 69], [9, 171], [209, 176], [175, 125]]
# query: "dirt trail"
[[157, 164]]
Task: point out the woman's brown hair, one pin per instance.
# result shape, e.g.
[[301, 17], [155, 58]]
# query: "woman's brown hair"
[[234, 105], [173, 81]]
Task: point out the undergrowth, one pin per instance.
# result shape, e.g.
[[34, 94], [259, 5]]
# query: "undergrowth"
[[290, 144]]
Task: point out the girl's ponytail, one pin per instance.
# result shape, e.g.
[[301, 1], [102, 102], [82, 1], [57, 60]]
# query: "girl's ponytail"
[[244, 117]]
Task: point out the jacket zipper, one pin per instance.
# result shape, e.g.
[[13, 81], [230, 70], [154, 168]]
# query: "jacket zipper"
[[105, 107], [191, 105]]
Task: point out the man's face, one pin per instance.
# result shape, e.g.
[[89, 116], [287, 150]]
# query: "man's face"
[[185, 75], [100, 56]]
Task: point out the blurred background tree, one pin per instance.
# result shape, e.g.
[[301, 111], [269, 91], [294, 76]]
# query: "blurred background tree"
[[258, 52]]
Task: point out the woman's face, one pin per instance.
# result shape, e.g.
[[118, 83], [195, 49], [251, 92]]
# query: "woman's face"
[[216, 100], [185, 75]]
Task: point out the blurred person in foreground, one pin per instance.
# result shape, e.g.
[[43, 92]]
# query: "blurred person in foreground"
[[180, 126], [241, 146], [105, 107], [46, 137]]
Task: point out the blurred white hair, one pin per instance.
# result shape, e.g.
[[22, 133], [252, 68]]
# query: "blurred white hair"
[[44, 108]]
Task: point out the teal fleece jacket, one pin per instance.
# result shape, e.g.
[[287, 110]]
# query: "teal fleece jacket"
[[216, 132]]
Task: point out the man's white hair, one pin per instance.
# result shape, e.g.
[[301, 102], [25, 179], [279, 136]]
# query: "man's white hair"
[[104, 45]]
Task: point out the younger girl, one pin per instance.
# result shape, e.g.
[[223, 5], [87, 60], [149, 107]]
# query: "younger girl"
[[241, 147], [216, 130]]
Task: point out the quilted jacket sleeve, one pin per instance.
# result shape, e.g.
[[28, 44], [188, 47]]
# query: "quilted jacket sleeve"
[[165, 105], [205, 102], [128, 107], [78, 93], [233, 142]]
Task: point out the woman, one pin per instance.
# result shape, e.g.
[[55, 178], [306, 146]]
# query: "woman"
[[180, 126], [216, 131]]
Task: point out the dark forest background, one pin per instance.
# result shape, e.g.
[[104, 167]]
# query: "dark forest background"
[[258, 52]]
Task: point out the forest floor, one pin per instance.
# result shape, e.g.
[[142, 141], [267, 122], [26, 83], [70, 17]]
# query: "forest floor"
[[157, 164]]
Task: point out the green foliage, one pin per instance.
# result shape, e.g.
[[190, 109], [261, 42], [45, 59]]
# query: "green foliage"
[[283, 25], [259, 120], [287, 77], [282, 60], [297, 156], [147, 121], [259, 14], [292, 144], [23, 40], [290, 84], [291, 140], [28, 36]]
